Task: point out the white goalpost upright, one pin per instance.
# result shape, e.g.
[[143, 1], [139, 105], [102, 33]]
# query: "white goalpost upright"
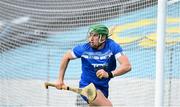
[[161, 29]]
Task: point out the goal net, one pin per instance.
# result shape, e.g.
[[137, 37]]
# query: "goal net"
[[34, 35]]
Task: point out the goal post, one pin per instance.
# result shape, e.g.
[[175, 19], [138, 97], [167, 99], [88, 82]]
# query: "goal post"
[[161, 29]]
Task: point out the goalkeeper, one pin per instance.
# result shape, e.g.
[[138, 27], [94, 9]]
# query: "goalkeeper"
[[98, 58]]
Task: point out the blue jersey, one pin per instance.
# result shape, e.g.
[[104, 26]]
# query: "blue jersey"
[[93, 60]]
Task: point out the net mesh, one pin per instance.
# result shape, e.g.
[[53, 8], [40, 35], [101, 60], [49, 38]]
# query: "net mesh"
[[34, 35]]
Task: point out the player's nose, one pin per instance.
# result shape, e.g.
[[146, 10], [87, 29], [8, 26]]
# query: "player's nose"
[[90, 39]]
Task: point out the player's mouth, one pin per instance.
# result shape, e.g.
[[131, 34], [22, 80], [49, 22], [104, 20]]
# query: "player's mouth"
[[93, 45]]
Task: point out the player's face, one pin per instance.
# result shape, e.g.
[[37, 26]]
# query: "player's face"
[[93, 39]]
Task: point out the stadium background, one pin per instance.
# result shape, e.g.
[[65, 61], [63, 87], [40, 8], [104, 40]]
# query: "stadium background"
[[35, 35]]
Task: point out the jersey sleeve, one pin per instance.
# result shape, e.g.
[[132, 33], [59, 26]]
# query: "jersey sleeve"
[[77, 51], [117, 50]]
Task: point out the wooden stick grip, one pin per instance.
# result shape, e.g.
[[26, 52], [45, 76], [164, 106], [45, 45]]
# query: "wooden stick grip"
[[76, 90], [47, 84]]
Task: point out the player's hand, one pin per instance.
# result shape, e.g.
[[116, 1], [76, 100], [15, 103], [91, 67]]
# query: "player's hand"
[[102, 74], [60, 84]]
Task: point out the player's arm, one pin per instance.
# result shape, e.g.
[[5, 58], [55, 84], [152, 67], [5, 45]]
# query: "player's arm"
[[63, 65], [125, 66]]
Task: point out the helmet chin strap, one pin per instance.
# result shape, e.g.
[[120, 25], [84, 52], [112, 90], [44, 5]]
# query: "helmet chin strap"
[[100, 42]]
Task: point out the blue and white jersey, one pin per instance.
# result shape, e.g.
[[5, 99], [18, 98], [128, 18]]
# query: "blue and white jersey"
[[93, 60]]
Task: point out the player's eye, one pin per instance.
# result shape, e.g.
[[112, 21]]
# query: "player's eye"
[[93, 34]]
